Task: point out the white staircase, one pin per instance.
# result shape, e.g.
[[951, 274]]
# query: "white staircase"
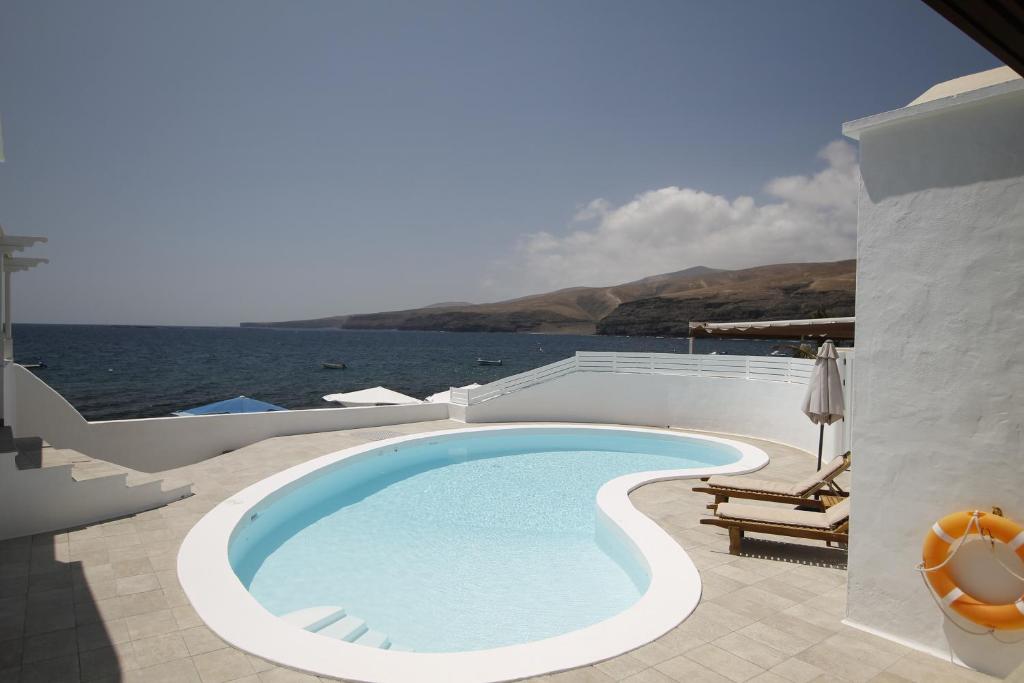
[[333, 622], [44, 488]]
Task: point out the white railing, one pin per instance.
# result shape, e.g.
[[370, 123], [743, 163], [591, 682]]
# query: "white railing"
[[760, 368]]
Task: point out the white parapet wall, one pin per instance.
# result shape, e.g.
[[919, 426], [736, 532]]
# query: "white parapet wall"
[[940, 359], [742, 395], [162, 443]]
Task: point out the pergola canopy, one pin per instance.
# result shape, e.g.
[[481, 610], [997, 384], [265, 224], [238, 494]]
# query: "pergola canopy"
[[837, 329], [23, 263], [12, 243]]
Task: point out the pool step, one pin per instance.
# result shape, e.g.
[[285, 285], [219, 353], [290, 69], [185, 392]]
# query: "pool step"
[[333, 622], [314, 618], [374, 639], [348, 628]]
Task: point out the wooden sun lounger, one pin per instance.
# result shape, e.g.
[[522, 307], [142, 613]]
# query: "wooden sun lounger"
[[831, 526], [806, 493]]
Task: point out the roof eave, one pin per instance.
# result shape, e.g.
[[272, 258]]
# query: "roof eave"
[[853, 129]]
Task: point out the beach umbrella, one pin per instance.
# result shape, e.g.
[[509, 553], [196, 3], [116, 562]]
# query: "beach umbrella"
[[823, 402]]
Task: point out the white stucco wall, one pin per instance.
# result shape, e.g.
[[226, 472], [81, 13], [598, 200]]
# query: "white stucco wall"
[[758, 408], [939, 378], [162, 443]]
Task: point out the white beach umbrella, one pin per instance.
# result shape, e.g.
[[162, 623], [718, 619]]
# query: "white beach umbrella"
[[823, 402]]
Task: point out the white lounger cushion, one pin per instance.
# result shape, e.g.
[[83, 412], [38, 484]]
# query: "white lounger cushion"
[[783, 488], [776, 515], [800, 488]]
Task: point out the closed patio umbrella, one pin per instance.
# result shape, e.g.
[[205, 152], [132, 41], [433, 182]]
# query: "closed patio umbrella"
[[823, 402]]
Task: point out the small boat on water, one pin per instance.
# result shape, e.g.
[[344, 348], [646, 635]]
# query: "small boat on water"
[[484, 361], [333, 366], [35, 366]]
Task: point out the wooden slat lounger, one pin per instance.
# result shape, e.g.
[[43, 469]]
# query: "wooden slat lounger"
[[831, 526], [803, 493]]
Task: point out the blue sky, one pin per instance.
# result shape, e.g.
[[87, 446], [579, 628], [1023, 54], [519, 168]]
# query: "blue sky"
[[207, 163]]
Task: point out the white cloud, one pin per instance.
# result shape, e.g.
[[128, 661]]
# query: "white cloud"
[[810, 218]]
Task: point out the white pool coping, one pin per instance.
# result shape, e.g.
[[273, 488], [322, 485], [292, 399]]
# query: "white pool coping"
[[224, 604]]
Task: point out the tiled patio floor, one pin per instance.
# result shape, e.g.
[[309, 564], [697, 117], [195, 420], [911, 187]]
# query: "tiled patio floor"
[[103, 603]]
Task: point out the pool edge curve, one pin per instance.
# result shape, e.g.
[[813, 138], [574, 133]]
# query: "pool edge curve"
[[674, 591]]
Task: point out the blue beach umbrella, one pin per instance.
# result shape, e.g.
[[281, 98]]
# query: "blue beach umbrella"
[[242, 404]]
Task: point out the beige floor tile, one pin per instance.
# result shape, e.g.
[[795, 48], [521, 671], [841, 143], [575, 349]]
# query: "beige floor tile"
[[835, 661], [663, 650], [259, 665], [649, 676], [751, 650], [94, 590], [142, 603], [178, 671], [889, 677], [132, 567], [923, 668], [200, 640], [141, 583], [102, 634], [223, 665], [587, 674], [797, 671], [768, 677], [151, 624], [685, 670], [724, 663], [622, 666], [186, 616], [105, 663], [159, 649], [281, 675]]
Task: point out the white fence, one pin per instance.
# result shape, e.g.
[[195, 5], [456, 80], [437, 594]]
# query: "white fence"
[[763, 368]]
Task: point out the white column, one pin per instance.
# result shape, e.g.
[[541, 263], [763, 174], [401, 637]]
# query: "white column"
[[3, 312], [8, 330]]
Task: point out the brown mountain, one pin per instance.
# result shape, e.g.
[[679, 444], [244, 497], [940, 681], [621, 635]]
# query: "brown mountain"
[[661, 304]]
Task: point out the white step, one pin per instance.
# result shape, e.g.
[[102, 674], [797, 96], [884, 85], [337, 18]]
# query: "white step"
[[374, 639], [314, 618], [348, 629]]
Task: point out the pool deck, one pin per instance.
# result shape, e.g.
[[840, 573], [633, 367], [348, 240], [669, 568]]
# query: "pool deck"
[[103, 603]]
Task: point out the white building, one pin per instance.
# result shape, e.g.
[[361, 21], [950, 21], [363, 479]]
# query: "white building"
[[940, 346]]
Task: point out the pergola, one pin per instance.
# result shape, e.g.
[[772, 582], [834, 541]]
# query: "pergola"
[[836, 329]]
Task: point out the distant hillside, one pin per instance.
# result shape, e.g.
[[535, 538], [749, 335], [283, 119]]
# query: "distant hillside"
[[656, 305]]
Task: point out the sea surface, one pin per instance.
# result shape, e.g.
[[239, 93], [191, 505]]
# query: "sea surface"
[[113, 372]]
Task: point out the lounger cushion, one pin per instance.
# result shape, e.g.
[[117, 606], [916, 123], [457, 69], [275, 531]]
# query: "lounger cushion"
[[838, 513], [828, 470], [784, 488], [770, 514], [803, 487]]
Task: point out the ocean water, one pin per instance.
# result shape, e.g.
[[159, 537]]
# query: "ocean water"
[[464, 542], [113, 372]]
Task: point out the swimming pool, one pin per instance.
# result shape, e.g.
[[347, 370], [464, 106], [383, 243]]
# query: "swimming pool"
[[466, 548]]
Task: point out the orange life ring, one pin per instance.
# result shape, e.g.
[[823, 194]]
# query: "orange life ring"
[[942, 536]]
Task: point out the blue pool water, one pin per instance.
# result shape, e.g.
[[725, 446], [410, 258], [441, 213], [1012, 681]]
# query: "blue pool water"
[[462, 542]]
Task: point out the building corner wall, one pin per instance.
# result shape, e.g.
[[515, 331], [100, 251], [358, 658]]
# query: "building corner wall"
[[939, 378]]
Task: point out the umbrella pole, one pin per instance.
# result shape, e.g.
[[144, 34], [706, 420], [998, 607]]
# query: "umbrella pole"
[[821, 440]]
